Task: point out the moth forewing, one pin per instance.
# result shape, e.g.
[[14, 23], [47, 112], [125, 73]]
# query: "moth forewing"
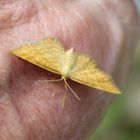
[[68, 63]]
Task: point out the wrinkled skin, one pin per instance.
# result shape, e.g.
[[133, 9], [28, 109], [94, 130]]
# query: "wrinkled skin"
[[105, 30]]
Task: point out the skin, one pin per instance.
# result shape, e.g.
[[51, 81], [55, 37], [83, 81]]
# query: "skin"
[[31, 110]]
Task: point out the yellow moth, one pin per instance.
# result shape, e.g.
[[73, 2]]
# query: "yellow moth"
[[49, 53]]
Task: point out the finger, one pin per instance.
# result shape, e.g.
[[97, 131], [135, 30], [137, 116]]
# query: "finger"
[[88, 29]]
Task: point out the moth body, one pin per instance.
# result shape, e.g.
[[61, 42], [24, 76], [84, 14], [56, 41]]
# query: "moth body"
[[68, 63]]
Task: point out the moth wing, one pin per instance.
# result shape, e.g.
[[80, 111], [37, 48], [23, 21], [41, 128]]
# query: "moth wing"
[[45, 53], [86, 72]]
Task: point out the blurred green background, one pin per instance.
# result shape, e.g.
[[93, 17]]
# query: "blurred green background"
[[122, 121]]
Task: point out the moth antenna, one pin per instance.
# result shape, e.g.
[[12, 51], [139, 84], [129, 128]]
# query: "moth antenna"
[[71, 90]]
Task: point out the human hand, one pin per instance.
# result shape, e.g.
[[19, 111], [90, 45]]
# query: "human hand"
[[101, 29]]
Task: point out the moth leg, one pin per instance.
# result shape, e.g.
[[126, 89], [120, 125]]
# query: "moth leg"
[[53, 92], [51, 80], [67, 86], [63, 100], [64, 97]]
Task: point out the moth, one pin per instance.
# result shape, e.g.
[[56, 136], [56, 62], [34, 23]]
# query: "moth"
[[49, 53]]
